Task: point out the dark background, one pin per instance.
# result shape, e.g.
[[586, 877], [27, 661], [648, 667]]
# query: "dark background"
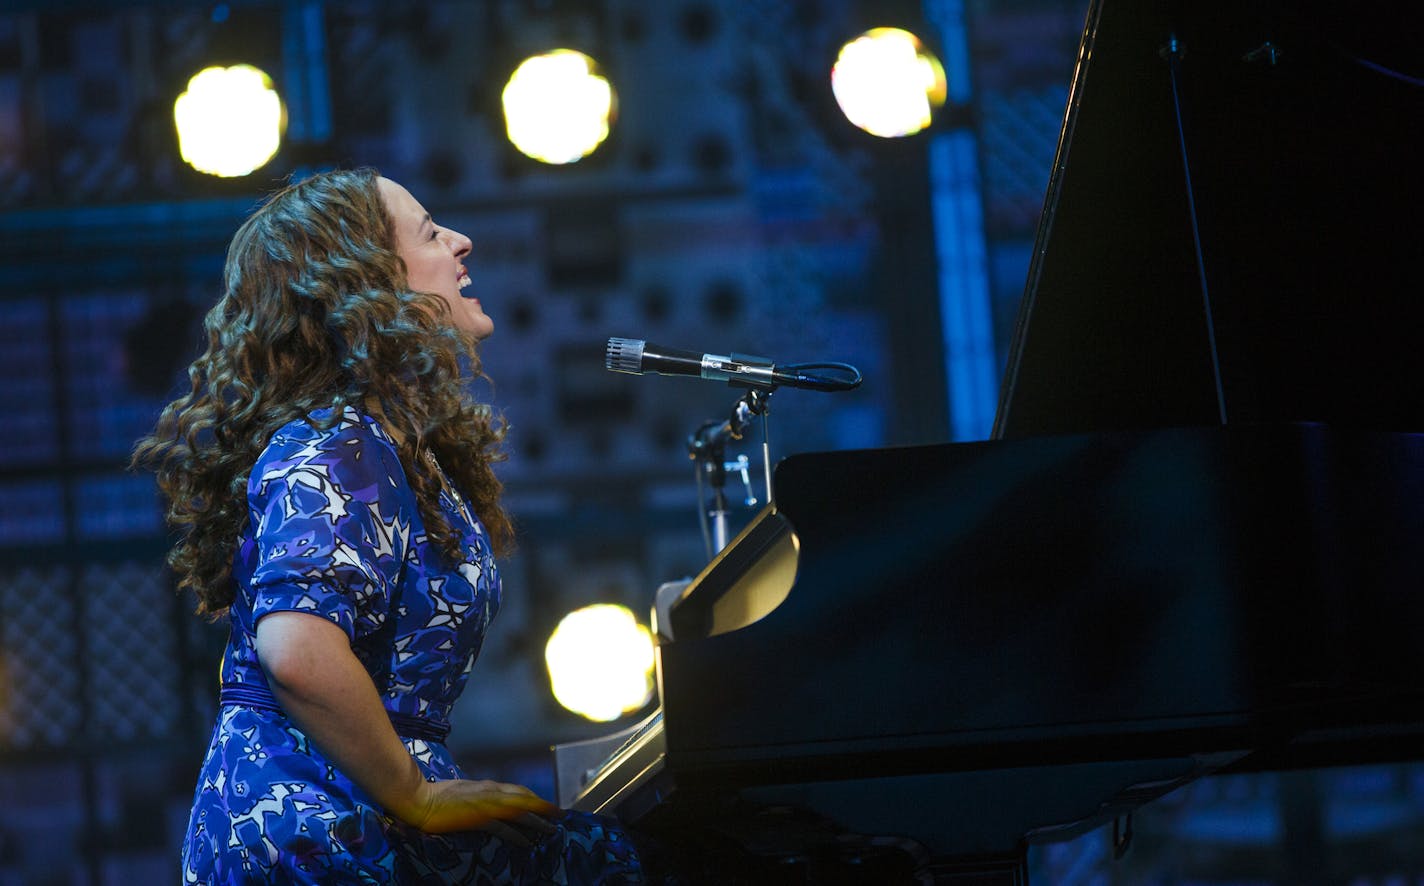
[[732, 209]]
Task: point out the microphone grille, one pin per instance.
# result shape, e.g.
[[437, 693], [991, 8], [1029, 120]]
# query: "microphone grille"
[[624, 355]]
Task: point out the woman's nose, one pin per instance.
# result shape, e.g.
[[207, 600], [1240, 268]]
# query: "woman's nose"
[[459, 243]]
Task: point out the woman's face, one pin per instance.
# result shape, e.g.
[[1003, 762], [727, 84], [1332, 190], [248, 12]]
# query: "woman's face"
[[432, 256]]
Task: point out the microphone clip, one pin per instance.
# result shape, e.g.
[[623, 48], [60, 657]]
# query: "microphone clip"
[[754, 373]]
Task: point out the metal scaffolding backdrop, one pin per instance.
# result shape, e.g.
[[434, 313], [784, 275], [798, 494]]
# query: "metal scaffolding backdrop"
[[732, 208]]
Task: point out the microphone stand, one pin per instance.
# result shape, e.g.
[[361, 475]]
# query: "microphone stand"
[[708, 447]]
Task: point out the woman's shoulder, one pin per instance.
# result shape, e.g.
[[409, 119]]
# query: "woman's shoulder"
[[323, 437], [319, 426]]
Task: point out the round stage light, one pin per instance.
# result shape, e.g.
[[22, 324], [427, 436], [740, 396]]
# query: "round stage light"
[[230, 121], [887, 83], [557, 106], [600, 662]]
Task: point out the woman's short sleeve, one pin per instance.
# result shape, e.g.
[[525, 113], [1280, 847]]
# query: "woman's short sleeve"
[[331, 514]]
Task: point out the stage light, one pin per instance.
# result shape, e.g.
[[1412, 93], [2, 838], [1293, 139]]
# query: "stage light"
[[600, 662], [230, 121], [558, 106], [887, 83]]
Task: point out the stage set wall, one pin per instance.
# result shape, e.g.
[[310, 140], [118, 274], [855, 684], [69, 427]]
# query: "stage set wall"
[[733, 208]]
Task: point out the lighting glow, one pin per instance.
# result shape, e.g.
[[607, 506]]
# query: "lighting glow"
[[887, 83], [230, 121], [557, 106], [600, 662]]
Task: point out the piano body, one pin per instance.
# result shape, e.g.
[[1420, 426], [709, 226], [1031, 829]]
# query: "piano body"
[[1194, 542]]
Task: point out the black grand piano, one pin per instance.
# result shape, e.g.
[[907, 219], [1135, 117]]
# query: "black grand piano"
[[1195, 543]]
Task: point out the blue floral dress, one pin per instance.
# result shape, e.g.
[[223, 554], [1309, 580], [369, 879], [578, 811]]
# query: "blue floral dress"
[[333, 530]]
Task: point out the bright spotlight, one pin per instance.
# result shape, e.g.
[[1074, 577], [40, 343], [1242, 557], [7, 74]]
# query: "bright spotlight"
[[601, 662], [557, 106], [230, 120], [887, 83]]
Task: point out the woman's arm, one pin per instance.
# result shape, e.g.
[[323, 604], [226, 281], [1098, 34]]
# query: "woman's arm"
[[326, 692]]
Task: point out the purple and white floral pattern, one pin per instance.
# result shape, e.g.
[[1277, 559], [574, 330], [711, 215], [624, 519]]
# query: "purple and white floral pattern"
[[333, 530]]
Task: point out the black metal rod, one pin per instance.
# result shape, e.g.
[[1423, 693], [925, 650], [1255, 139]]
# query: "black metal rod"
[[1172, 52]]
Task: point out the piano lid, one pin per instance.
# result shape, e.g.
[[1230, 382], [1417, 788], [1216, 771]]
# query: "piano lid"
[[1300, 122]]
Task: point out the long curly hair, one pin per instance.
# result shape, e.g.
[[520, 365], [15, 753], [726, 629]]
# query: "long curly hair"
[[317, 312]]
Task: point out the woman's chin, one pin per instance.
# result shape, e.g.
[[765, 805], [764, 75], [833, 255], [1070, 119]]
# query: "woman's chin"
[[478, 332]]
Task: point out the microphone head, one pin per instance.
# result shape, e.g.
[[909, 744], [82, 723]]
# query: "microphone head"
[[624, 355]]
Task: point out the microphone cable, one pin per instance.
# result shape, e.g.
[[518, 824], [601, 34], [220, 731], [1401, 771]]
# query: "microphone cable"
[[820, 382]]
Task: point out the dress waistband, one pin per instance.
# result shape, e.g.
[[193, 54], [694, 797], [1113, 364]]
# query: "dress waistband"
[[249, 695]]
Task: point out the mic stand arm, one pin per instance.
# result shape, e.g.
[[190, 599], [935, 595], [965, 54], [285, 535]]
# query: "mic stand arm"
[[708, 447]]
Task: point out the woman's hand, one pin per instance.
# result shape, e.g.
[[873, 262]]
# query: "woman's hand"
[[507, 810], [326, 691]]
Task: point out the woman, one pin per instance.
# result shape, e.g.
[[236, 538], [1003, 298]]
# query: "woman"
[[332, 484]]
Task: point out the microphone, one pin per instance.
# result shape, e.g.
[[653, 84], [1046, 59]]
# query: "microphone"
[[637, 357]]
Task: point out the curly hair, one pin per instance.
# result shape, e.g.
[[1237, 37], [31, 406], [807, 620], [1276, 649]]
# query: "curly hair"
[[317, 312]]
